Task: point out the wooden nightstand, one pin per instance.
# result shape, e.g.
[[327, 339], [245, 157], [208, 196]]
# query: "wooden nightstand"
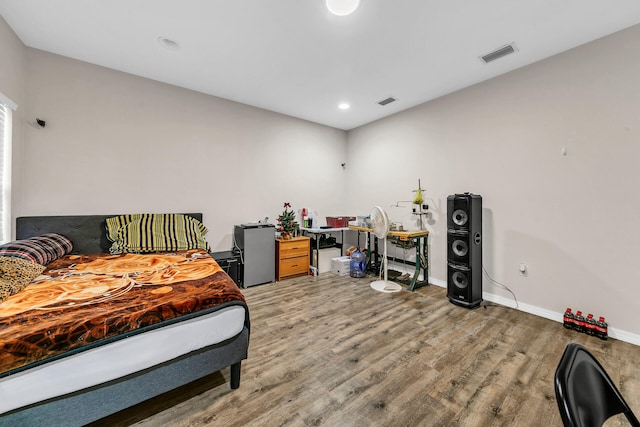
[[292, 257]]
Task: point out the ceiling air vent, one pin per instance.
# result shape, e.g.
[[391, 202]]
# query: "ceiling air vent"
[[389, 100], [499, 53]]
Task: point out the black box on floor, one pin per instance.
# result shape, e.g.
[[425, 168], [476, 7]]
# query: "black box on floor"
[[230, 262]]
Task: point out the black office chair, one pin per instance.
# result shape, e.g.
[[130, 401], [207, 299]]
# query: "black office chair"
[[585, 394]]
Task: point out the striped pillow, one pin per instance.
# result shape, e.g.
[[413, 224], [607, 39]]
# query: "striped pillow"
[[155, 233], [41, 249], [116, 223]]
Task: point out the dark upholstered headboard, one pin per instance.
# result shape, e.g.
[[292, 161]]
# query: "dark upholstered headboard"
[[86, 232]]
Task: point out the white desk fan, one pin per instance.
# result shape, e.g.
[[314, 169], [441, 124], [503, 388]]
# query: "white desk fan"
[[380, 226]]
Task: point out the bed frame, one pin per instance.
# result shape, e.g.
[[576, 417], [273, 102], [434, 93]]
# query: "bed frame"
[[87, 232]]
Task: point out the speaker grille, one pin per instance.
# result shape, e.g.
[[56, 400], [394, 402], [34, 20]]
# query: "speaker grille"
[[460, 217], [460, 248], [460, 280]]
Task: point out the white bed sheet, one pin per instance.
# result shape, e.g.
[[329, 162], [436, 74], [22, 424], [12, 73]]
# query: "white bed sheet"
[[119, 358]]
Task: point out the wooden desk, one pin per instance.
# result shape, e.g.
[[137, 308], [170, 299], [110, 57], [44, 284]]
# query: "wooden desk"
[[422, 253]]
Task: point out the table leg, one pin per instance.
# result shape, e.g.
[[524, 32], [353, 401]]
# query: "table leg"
[[422, 263], [412, 284], [425, 251], [374, 254], [369, 254]]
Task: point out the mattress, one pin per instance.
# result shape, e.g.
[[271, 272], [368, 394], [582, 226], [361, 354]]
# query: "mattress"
[[119, 358], [93, 318]]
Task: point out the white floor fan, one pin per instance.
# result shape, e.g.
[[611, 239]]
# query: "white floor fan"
[[380, 226]]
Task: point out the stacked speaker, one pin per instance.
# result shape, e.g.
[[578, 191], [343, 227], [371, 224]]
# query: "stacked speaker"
[[464, 241]]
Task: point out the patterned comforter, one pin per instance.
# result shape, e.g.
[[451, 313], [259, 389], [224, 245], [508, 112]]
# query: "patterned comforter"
[[81, 301]]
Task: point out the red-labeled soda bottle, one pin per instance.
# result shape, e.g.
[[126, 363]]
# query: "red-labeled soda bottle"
[[568, 318], [579, 322], [602, 329], [590, 325]]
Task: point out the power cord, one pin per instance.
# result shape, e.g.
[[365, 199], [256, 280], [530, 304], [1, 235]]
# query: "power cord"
[[235, 245], [500, 284]]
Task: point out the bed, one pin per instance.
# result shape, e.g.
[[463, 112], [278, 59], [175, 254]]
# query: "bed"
[[94, 373]]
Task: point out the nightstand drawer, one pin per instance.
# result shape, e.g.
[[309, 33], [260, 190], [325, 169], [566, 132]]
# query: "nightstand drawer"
[[294, 248], [294, 266]]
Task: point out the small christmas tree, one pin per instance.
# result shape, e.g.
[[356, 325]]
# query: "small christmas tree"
[[287, 221]]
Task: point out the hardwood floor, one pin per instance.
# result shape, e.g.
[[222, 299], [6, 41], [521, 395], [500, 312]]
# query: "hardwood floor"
[[330, 351]]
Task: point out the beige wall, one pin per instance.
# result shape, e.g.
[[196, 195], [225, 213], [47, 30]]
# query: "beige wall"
[[115, 143], [572, 219]]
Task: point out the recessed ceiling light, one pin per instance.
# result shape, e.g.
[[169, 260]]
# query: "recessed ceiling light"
[[344, 106], [342, 7], [168, 43]]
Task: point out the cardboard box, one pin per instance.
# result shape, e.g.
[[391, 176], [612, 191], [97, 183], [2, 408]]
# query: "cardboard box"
[[341, 265], [325, 258]]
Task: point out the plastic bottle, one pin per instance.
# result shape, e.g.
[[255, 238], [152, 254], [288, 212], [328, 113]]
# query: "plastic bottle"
[[579, 323], [358, 264], [590, 325], [602, 329], [568, 318]]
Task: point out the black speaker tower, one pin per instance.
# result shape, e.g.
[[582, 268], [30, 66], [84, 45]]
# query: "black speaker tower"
[[464, 253]]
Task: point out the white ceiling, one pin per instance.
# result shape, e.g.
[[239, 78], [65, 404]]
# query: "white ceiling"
[[294, 57]]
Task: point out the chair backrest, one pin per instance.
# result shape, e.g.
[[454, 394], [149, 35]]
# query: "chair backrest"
[[585, 394]]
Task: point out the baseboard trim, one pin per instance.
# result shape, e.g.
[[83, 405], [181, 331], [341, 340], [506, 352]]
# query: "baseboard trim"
[[615, 333], [625, 336], [437, 282]]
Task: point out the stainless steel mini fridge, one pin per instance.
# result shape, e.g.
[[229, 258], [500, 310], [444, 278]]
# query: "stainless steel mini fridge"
[[257, 245]]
